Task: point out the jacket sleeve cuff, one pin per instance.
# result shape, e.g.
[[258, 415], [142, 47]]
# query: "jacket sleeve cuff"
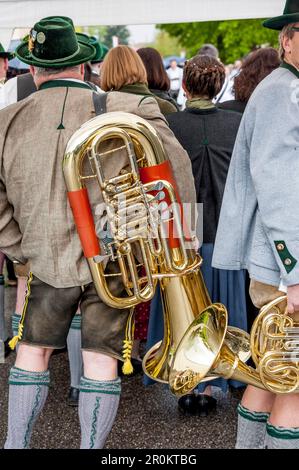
[[287, 257]]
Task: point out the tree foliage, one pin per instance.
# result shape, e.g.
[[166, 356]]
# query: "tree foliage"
[[167, 45], [121, 32], [234, 38]]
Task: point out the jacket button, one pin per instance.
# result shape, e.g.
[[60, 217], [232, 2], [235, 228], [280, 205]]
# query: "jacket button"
[[288, 262], [280, 247]]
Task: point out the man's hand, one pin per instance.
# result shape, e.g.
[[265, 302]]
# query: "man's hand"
[[293, 298]]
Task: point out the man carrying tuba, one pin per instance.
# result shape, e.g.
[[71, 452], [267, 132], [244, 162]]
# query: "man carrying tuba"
[[259, 222], [37, 225]]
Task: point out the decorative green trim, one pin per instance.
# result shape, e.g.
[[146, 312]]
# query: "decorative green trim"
[[21, 377], [282, 433], [94, 422], [291, 68], [256, 416], [65, 84], [112, 387], [15, 323], [289, 262], [105, 392], [61, 125], [11, 382], [32, 417], [76, 323]]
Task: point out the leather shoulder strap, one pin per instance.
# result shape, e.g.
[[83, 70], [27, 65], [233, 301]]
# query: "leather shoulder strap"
[[100, 101]]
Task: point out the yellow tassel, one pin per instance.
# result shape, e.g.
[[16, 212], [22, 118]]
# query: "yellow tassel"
[[13, 342], [127, 367]]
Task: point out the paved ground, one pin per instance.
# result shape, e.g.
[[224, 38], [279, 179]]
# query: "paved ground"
[[147, 419]]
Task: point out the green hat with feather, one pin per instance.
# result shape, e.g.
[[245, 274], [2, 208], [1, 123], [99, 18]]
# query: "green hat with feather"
[[53, 43]]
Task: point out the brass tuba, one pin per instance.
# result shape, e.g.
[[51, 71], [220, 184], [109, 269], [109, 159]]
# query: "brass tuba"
[[135, 191], [158, 242]]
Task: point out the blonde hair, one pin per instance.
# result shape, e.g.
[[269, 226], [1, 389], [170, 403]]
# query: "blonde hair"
[[122, 66], [288, 32]]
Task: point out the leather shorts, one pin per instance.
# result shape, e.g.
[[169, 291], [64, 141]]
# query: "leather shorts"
[[49, 313]]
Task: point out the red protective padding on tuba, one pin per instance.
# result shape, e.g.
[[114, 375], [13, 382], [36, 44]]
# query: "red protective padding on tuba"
[[163, 172], [80, 205]]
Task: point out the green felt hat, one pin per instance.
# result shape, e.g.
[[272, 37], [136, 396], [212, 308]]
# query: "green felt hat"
[[105, 51], [290, 15], [80, 36], [53, 43], [4, 54], [98, 47], [84, 38]]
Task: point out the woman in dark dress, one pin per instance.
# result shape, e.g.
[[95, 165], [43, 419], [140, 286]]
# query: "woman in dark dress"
[[208, 134]]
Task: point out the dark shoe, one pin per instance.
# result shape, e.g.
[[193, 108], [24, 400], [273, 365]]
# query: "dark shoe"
[[188, 405], [73, 398], [205, 404], [7, 349]]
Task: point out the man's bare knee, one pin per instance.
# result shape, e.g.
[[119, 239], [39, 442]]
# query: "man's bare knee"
[[98, 366], [33, 358], [259, 400]]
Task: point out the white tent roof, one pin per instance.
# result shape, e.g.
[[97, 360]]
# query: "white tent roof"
[[24, 13]]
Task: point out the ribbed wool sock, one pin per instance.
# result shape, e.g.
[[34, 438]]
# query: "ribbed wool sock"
[[281, 438], [27, 395], [98, 405], [74, 351], [15, 320], [251, 429]]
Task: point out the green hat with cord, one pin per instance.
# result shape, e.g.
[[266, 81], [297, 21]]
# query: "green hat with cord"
[[53, 43], [290, 15]]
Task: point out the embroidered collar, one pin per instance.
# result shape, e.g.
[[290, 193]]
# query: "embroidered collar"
[[64, 83]]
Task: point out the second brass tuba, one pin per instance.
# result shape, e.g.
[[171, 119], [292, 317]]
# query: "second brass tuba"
[[274, 346]]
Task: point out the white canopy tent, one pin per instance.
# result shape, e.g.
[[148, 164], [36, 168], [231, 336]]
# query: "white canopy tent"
[[24, 13]]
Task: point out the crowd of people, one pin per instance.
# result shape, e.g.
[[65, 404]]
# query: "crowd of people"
[[230, 135]]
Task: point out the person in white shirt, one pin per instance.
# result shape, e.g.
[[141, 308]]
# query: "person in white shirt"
[[175, 75]]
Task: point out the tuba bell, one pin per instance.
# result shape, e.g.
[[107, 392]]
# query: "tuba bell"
[[274, 346], [157, 239]]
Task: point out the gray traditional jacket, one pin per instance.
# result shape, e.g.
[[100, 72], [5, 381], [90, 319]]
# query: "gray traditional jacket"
[[36, 222], [259, 222]]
